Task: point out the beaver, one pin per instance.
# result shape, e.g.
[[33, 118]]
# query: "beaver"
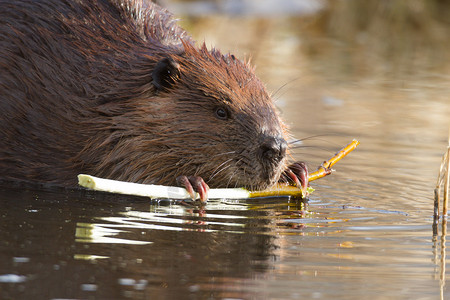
[[117, 89]]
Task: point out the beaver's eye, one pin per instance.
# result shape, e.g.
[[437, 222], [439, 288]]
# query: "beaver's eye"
[[221, 113]]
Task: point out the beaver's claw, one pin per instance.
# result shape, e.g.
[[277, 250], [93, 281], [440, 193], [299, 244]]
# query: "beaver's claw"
[[194, 184], [297, 174]]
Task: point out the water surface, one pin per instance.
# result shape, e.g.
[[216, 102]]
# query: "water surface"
[[338, 71]]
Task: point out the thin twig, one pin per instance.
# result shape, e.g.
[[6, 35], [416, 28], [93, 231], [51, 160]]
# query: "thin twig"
[[325, 167], [446, 185], [442, 180]]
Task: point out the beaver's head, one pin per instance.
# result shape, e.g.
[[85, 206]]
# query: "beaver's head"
[[203, 114]]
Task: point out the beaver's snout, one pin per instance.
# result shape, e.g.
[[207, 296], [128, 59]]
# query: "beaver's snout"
[[273, 149]]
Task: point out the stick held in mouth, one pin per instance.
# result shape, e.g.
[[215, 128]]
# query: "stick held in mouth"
[[160, 191]]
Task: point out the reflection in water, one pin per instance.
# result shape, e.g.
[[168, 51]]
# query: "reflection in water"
[[98, 233], [377, 71], [442, 262], [261, 248], [12, 278]]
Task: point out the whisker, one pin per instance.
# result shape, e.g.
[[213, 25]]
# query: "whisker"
[[220, 169], [234, 173], [231, 178], [304, 147], [312, 137], [274, 94]]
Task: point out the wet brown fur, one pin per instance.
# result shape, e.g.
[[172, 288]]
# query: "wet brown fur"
[[76, 96]]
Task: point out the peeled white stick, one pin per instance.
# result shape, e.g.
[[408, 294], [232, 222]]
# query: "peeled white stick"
[[154, 191], [160, 191]]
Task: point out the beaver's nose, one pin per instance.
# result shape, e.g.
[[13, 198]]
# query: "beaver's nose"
[[273, 149]]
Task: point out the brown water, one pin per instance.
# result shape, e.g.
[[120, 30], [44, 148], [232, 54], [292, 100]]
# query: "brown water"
[[378, 73]]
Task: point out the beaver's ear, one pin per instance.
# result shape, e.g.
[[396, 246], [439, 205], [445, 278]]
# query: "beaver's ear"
[[165, 74]]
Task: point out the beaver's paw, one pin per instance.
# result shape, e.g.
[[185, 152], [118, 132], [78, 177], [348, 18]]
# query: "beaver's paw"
[[297, 174], [194, 184]]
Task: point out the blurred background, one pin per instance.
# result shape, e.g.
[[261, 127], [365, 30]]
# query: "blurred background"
[[378, 71]]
